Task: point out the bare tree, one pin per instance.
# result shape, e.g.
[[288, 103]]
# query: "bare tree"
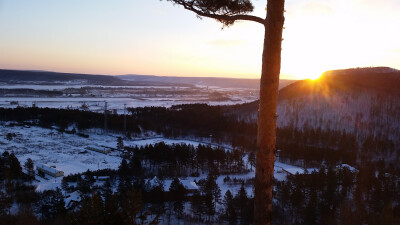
[[227, 12]]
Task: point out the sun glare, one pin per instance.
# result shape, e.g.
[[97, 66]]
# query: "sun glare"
[[314, 77]]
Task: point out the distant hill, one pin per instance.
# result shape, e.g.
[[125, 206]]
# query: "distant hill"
[[44, 77], [206, 81], [379, 81], [361, 100]]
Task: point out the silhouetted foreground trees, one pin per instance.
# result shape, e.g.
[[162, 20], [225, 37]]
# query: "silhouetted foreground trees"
[[183, 160], [339, 196], [330, 195]]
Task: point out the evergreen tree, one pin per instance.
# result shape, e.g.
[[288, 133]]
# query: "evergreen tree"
[[211, 194], [15, 166], [64, 184], [58, 202], [85, 184], [112, 212], [30, 168], [123, 169], [5, 204], [310, 214], [52, 204], [230, 211], [196, 205], [176, 189], [178, 192], [91, 211], [135, 166], [107, 190], [120, 143], [131, 205], [242, 200]]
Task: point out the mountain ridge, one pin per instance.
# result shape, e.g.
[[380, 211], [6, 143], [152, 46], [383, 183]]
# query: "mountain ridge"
[[367, 107], [9, 76]]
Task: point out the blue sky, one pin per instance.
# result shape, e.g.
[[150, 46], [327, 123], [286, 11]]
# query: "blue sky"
[[156, 37]]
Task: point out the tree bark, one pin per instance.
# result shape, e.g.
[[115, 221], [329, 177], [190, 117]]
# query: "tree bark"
[[266, 137]]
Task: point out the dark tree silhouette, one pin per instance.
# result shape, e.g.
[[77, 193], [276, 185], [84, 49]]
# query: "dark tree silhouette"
[[227, 12], [29, 166]]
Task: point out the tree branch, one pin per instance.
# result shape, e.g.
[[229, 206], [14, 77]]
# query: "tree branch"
[[226, 19]]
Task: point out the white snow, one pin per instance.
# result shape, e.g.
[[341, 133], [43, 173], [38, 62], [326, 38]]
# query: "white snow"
[[47, 146], [352, 169]]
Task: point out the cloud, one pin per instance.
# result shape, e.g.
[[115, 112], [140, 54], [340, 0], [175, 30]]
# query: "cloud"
[[225, 43]]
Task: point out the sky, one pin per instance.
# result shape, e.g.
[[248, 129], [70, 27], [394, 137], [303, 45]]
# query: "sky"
[[153, 37]]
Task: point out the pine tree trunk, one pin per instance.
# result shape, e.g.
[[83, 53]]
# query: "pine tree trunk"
[[266, 138]]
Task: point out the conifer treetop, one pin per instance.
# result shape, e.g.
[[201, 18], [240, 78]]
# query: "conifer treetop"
[[224, 11]]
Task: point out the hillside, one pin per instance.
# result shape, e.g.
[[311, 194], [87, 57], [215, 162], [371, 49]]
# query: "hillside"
[[365, 101], [380, 81]]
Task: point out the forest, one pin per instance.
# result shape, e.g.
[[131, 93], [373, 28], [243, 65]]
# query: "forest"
[[136, 193], [215, 123]]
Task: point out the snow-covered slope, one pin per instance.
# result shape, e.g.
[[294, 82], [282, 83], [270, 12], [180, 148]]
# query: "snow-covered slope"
[[365, 101]]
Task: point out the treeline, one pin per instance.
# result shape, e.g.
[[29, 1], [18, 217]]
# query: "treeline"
[[199, 120], [149, 202], [218, 125], [339, 196], [182, 160], [63, 118], [313, 146], [28, 92]]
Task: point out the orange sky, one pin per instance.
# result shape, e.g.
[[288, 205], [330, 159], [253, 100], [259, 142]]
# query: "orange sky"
[[153, 37]]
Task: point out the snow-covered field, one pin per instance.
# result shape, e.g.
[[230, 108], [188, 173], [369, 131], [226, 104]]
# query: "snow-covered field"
[[62, 150], [67, 153], [97, 104], [94, 96], [93, 104], [62, 87]]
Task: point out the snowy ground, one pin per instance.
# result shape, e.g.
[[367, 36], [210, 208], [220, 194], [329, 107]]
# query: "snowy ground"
[[94, 96], [64, 151], [97, 104], [62, 87]]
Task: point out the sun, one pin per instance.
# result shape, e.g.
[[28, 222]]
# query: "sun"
[[313, 72], [299, 69], [315, 76], [305, 73]]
